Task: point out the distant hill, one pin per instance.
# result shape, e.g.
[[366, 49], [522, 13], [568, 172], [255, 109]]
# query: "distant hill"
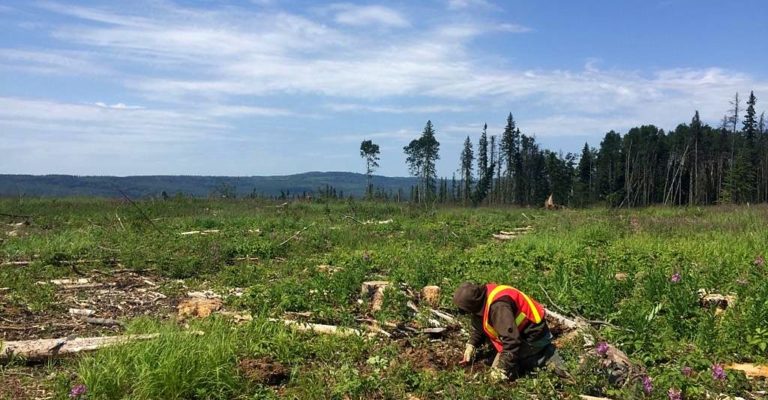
[[198, 186]]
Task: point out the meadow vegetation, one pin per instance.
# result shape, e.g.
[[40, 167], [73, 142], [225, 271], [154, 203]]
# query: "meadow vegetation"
[[638, 269]]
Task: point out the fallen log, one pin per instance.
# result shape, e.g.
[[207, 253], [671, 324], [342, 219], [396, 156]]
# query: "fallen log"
[[374, 290], [444, 316], [318, 328], [15, 264], [43, 349], [103, 321], [750, 370], [81, 311]]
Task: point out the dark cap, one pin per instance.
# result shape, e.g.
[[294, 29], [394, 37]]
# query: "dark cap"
[[469, 297]]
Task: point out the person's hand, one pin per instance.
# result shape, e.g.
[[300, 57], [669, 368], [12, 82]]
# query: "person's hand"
[[469, 354], [497, 375]]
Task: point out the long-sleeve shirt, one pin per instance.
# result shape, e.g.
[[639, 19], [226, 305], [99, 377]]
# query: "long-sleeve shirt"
[[515, 344]]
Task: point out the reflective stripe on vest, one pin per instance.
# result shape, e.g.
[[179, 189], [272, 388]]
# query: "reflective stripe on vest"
[[529, 310]]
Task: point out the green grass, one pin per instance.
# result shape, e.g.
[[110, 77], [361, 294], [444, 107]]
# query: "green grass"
[[573, 255]]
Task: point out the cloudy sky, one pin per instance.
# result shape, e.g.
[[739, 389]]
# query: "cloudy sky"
[[267, 87]]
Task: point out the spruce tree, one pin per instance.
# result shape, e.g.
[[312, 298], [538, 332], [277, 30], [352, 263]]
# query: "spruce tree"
[[467, 158]]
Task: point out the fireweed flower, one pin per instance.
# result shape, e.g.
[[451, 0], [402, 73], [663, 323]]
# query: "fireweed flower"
[[675, 394], [647, 384], [601, 348], [687, 371], [675, 277], [718, 373], [77, 391]]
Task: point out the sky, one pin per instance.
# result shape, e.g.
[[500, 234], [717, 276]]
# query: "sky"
[[273, 87]]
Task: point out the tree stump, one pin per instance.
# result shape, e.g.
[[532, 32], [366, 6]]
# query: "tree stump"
[[431, 295]]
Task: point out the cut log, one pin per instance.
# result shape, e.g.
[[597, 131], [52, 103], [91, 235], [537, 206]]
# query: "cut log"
[[375, 291], [501, 236], [585, 397], [81, 311], [750, 370], [43, 349], [444, 316], [318, 328], [104, 321], [15, 263], [564, 322], [431, 295]]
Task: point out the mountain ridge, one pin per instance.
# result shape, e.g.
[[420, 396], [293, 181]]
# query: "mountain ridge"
[[311, 182]]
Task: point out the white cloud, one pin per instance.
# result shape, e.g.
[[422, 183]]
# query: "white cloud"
[[117, 106], [354, 15], [428, 109], [50, 62], [462, 4], [205, 62]]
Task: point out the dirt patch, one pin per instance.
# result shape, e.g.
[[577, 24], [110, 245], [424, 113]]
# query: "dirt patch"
[[121, 296], [264, 371], [23, 384]]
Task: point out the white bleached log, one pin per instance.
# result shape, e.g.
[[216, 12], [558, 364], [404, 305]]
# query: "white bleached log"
[[318, 328], [43, 349]]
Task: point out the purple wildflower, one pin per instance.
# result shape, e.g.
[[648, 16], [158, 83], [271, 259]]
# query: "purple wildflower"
[[760, 261], [601, 348], [675, 277], [687, 371], [647, 384], [675, 394], [718, 373], [77, 391]]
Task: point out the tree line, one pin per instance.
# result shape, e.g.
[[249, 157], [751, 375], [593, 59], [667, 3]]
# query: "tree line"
[[694, 164]]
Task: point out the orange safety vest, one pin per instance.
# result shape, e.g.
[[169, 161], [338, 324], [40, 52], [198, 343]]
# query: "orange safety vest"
[[530, 311]]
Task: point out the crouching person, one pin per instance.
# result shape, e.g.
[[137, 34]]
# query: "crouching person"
[[514, 324]]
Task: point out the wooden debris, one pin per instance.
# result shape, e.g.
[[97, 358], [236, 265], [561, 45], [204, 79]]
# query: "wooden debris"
[[444, 316], [205, 232], [43, 349], [375, 291], [81, 311], [61, 282], [198, 308], [328, 268], [431, 295], [384, 222], [15, 264], [319, 328], [513, 234], [621, 276], [205, 294], [104, 321], [585, 397], [237, 317], [437, 331], [750, 370], [715, 300], [549, 204]]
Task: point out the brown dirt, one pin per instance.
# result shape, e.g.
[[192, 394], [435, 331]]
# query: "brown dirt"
[[264, 371], [24, 384], [124, 296]]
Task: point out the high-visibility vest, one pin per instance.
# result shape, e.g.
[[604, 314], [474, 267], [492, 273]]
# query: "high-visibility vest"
[[529, 311]]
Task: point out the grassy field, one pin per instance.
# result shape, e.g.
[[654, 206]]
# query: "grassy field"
[[640, 270]]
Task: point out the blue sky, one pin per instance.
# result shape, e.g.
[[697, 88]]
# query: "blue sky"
[[268, 87]]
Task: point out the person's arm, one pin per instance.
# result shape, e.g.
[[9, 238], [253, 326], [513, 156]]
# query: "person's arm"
[[477, 336], [502, 318]]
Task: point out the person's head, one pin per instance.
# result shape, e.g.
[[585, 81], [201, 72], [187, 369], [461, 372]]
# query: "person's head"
[[469, 298]]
